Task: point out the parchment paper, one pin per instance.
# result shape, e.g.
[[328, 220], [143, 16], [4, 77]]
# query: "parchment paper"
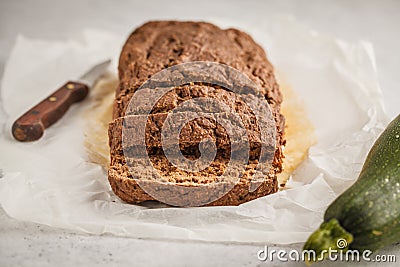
[[52, 182]]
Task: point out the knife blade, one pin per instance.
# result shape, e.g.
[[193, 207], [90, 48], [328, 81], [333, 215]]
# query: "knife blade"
[[31, 125]]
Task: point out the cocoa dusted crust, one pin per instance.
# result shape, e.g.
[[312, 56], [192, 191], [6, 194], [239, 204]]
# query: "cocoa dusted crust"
[[160, 44]]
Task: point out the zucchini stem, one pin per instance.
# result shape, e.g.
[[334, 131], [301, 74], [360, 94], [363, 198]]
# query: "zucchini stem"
[[330, 236]]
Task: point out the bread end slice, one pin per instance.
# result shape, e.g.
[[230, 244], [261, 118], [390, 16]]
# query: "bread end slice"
[[130, 191]]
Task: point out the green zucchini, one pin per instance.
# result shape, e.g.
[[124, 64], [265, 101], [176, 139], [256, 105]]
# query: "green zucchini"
[[367, 215]]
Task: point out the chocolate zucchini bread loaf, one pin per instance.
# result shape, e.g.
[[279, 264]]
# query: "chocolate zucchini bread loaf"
[[156, 46]]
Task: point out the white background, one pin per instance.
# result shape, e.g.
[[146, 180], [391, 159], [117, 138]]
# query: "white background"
[[29, 244]]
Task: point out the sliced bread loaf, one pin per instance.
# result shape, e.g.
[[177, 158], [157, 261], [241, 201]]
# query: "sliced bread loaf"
[[156, 46]]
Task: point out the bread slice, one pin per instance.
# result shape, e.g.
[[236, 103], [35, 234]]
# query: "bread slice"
[[159, 45], [134, 182], [127, 134], [223, 100]]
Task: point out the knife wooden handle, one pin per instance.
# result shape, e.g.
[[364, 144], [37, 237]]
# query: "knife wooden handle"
[[31, 125]]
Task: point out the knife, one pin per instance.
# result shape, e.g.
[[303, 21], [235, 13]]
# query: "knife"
[[31, 125]]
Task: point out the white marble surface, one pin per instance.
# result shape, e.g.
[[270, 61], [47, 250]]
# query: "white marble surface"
[[28, 244]]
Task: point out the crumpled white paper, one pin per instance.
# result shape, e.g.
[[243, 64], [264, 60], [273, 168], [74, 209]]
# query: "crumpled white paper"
[[51, 181]]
